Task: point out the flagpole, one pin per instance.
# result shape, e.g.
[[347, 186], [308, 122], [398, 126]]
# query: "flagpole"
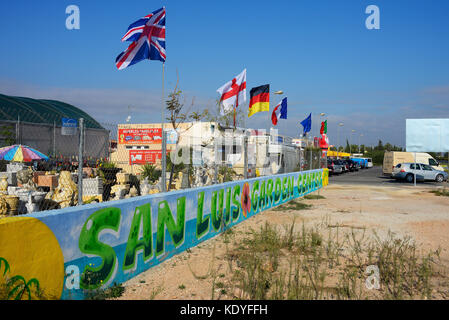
[[234, 118], [164, 145]]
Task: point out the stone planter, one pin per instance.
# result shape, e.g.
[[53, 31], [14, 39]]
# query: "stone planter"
[[4, 183], [13, 204], [38, 196]]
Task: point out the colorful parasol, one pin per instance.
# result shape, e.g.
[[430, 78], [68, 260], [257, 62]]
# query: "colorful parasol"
[[20, 153]]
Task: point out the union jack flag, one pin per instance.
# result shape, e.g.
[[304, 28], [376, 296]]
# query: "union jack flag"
[[148, 40]]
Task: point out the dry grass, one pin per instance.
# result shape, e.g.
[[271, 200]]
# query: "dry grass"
[[323, 262]]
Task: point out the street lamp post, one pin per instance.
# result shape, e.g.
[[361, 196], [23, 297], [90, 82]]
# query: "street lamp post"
[[338, 138], [361, 135], [350, 143]]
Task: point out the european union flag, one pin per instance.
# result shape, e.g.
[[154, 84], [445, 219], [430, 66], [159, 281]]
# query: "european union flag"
[[307, 124]]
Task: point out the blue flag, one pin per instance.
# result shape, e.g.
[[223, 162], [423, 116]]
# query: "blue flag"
[[307, 124], [284, 109]]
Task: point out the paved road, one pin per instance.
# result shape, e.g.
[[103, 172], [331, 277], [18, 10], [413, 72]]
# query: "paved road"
[[373, 176]]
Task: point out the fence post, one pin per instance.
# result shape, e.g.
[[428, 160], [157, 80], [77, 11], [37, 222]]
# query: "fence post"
[[311, 154], [54, 139], [80, 163], [164, 162], [245, 156], [215, 157]]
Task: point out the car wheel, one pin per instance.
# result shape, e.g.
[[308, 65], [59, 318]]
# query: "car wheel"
[[409, 178], [439, 178]]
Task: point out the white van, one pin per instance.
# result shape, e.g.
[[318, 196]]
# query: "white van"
[[392, 158]]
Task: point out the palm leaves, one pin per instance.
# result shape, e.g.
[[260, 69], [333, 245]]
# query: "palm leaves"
[[17, 286], [3, 260]]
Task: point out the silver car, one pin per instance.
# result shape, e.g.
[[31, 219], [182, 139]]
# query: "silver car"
[[423, 172]]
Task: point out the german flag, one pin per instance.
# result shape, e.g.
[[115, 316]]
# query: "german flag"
[[260, 99]]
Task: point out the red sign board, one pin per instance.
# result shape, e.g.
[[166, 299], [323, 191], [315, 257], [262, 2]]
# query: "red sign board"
[[140, 136], [144, 156]]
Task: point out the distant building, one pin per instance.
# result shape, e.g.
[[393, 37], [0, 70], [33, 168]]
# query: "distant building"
[[38, 124], [138, 144]]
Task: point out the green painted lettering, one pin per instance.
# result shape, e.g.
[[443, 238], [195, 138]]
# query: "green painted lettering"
[[269, 193], [175, 229], [277, 190], [141, 213], [94, 277], [227, 216], [255, 196], [284, 188], [262, 197], [202, 225], [217, 218], [236, 203]]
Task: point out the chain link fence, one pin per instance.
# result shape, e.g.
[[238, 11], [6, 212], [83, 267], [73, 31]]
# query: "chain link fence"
[[122, 161]]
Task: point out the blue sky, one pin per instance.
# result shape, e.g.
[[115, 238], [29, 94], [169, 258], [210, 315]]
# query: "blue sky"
[[318, 52]]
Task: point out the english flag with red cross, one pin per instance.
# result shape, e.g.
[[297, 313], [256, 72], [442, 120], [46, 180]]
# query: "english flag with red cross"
[[233, 92]]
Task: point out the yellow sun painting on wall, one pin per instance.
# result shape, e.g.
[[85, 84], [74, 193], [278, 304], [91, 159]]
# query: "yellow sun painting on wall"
[[31, 260]]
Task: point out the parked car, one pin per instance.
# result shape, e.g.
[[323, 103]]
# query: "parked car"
[[353, 166], [363, 162], [392, 158], [343, 164], [333, 167], [406, 171]]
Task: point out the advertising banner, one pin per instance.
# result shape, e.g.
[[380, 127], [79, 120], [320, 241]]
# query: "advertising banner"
[[69, 127], [427, 135], [144, 156], [140, 136]]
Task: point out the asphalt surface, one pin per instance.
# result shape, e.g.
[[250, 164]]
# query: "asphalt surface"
[[373, 177]]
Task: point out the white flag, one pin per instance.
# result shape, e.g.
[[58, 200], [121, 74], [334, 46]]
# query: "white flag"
[[233, 92]]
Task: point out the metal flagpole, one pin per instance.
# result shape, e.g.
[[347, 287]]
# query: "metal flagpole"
[[80, 162], [415, 171], [54, 138], [164, 145]]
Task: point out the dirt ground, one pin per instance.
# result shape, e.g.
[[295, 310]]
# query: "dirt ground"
[[404, 210]]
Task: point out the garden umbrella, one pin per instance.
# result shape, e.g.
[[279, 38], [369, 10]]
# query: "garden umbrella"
[[20, 153]]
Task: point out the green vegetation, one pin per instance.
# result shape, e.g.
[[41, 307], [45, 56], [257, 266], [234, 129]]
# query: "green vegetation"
[[314, 197], [149, 171], [115, 291], [374, 152], [441, 192], [107, 165], [293, 205], [321, 262], [228, 173]]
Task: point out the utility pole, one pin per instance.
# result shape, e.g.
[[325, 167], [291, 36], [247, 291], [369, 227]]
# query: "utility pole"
[[80, 163]]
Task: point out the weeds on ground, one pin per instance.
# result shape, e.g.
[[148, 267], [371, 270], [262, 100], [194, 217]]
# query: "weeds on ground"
[[293, 205], [321, 262], [314, 197], [114, 291], [155, 292], [441, 192]]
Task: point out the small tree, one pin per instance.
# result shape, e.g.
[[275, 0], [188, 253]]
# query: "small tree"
[[177, 116], [226, 118], [8, 135]]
